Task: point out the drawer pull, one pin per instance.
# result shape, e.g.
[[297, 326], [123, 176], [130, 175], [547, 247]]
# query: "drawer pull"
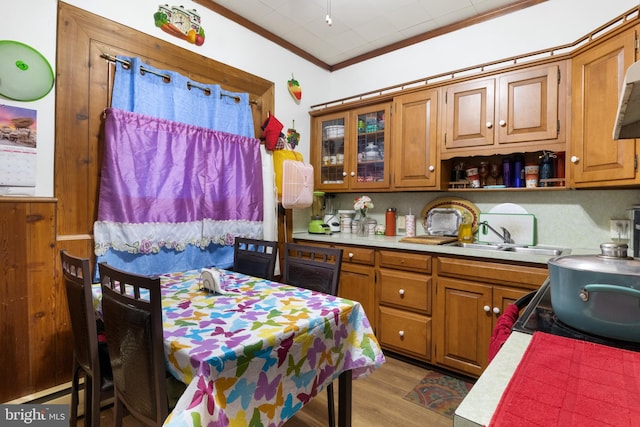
[[401, 291], [401, 333], [350, 254], [487, 308]]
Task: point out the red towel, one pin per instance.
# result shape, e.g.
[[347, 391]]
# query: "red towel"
[[502, 330], [571, 383]]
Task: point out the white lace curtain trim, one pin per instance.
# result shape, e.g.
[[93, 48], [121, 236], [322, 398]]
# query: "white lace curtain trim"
[[144, 238]]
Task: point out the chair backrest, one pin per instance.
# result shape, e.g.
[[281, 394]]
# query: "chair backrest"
[[312, 267], [132, 313], [255, 257], [77, 280]]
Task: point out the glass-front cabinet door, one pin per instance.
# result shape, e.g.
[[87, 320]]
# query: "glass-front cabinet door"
[[350, 149], [371, 148], [330, 162]]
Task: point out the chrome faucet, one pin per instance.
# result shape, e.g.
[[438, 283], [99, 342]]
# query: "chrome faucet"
[[505, 236]]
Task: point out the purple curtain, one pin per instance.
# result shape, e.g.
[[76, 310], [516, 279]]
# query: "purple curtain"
[[169, 185]]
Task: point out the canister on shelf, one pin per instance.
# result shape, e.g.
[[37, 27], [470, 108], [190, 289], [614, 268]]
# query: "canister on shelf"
[[507, 172], [390, 222], [531, 175], [546, 168], [518, 171]]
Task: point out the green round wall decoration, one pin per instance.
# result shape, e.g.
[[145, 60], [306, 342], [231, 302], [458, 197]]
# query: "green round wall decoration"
[[25, 75]]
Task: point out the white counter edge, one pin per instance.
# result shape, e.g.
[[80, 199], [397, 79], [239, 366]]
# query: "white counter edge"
[[393, 242], [478, 407]]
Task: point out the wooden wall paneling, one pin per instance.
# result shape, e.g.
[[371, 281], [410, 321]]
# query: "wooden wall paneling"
[[72, 170], [28, 294], [43, 292], [14, 325]]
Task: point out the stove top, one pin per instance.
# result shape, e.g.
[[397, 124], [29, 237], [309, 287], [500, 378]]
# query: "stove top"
[[539, 316]]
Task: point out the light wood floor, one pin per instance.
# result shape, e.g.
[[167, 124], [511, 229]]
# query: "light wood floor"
[[377, 402]]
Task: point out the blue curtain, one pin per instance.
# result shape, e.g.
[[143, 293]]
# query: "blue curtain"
[[165, 94]]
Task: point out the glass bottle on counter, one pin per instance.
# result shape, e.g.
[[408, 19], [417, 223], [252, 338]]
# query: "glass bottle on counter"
[[465, 229]]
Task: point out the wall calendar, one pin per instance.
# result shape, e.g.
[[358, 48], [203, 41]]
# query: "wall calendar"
[[18, 150]]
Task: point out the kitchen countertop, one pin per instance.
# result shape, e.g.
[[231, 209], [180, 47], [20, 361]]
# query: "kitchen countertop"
[[392, 242], [478, 407]]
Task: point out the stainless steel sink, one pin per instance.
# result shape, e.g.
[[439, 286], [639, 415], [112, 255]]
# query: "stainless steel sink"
[[542, 250], [533, 250], [483, 246]]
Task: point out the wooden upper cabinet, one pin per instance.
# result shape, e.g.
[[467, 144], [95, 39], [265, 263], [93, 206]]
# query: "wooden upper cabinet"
[[598, 73], [489, 115], [469, 114], [350, 149], [528, 105], [414, 150]]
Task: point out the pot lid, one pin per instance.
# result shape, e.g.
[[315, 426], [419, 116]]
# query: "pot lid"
[[612, 259]]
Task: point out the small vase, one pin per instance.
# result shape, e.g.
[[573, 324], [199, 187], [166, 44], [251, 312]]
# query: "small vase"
[[363, 227]]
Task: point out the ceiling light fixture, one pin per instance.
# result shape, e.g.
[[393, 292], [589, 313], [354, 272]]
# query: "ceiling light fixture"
[[327, 18]]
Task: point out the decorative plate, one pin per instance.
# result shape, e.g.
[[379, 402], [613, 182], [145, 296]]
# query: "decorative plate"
[[443, 222], [465, 207]]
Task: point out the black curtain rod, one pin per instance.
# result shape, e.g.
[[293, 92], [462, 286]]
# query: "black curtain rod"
[[167, 78]]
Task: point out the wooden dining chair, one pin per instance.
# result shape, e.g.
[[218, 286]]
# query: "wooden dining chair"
[[133, 325], [89, 360], [316, 268], [255, 257]]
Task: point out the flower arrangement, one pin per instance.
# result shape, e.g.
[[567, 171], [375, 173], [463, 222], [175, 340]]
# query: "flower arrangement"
[[361, 205]]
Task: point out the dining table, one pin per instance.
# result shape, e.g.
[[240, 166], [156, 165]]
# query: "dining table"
[[257, 352]]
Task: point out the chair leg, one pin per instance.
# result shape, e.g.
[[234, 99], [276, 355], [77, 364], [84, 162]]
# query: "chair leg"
[[118, 412], [88, 400], [95, 402], [75, 384], [331, 406]]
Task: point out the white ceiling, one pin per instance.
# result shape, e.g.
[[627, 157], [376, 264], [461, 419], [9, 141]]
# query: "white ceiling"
[[358, 26]]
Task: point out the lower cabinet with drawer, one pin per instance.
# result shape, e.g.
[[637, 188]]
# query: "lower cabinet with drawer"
[[470, 296], [357, 276], [436, 309], [405, 303]]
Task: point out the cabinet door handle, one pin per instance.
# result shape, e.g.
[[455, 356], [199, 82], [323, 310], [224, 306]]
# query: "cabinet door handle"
[[401, 291], [353, 173], [486, 308], [401, 333], [344, 174], [502, 123], [432, 168], [575, 159], [489, 125], [496, 310], [350, 254]]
